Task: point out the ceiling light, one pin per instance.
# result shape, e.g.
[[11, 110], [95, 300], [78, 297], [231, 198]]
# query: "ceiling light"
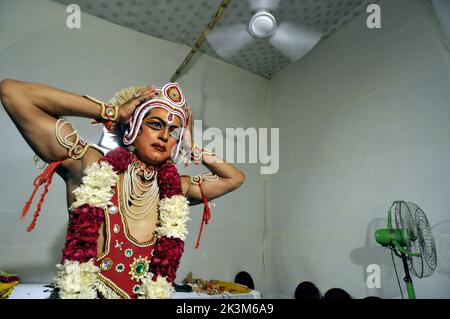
[[262, 25]]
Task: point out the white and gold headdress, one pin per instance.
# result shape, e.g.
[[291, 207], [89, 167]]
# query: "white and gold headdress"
[[170, 97]]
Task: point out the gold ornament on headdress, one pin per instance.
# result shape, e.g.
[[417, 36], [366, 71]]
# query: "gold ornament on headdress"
[[174, 94], [123, 96]]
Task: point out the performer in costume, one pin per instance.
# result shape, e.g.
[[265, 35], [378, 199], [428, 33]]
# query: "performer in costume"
[[128, 209]]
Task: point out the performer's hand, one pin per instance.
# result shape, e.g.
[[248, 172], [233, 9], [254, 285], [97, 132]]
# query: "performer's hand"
[[127, 109]]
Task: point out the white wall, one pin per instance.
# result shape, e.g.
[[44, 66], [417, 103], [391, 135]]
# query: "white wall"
[[364, 120], [99, 59]]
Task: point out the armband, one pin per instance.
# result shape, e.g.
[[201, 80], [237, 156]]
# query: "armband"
[[108, 113], [210, 177], [77, 149]]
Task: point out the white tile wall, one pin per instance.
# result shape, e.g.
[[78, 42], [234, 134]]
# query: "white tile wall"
[[50, 230], [327, 138], [288, 143], [247, 248], [422, 107], [323, 55], [410, 49], [368, 127], [375, 123], [394, 14], [33, 263], [212, 259]]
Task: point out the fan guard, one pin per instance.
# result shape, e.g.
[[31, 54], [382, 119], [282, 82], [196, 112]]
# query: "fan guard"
[[415, 226]]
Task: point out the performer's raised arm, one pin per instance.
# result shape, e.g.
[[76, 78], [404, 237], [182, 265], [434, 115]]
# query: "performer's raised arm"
[[221, 178], [36, 108]]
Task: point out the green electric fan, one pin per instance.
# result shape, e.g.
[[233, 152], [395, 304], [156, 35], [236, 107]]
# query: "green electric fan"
[[411, 240]]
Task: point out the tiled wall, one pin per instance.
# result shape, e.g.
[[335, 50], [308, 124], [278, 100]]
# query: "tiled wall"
[[364, 120]]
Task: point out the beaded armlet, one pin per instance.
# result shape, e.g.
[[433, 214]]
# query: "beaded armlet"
[[77, 149]]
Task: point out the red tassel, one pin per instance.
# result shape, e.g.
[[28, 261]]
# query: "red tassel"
[[206, 216], [45, 177]]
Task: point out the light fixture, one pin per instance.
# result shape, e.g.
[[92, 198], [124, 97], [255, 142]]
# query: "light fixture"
[[262, 25]]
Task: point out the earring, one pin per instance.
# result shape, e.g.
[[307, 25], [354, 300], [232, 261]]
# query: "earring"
[[131, 149]]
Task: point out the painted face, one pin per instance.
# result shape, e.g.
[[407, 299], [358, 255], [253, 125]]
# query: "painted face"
[[159, 134]]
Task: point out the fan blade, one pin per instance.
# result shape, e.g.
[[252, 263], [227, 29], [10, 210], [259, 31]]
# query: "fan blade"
[[264, 4], [293, 41], [228, 40]]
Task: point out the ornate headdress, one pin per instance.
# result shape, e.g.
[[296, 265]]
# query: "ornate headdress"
[[170, 97]]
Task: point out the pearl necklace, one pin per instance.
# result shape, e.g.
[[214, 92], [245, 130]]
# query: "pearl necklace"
[[136, 193]]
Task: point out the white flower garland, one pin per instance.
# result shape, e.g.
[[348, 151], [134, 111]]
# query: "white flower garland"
[[97, 185], [79, 280], [159, 289], [173, 213]]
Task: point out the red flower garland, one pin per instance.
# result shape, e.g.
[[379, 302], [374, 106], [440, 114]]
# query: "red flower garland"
[[82, 233], [166, 258], [118, 158], [85, 221], [169, 181], [167, 251]]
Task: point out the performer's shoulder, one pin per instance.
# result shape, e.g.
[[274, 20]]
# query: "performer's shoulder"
[[73, 169]]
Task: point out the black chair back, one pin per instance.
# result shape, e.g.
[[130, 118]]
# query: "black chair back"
[[245, 279], [336, 293], [307, 291]]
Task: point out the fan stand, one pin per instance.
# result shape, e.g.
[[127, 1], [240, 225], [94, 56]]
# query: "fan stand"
[[399, 240], [392, 239], [407, 279]]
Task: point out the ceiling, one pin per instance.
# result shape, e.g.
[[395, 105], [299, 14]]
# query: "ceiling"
[[183, 21]]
